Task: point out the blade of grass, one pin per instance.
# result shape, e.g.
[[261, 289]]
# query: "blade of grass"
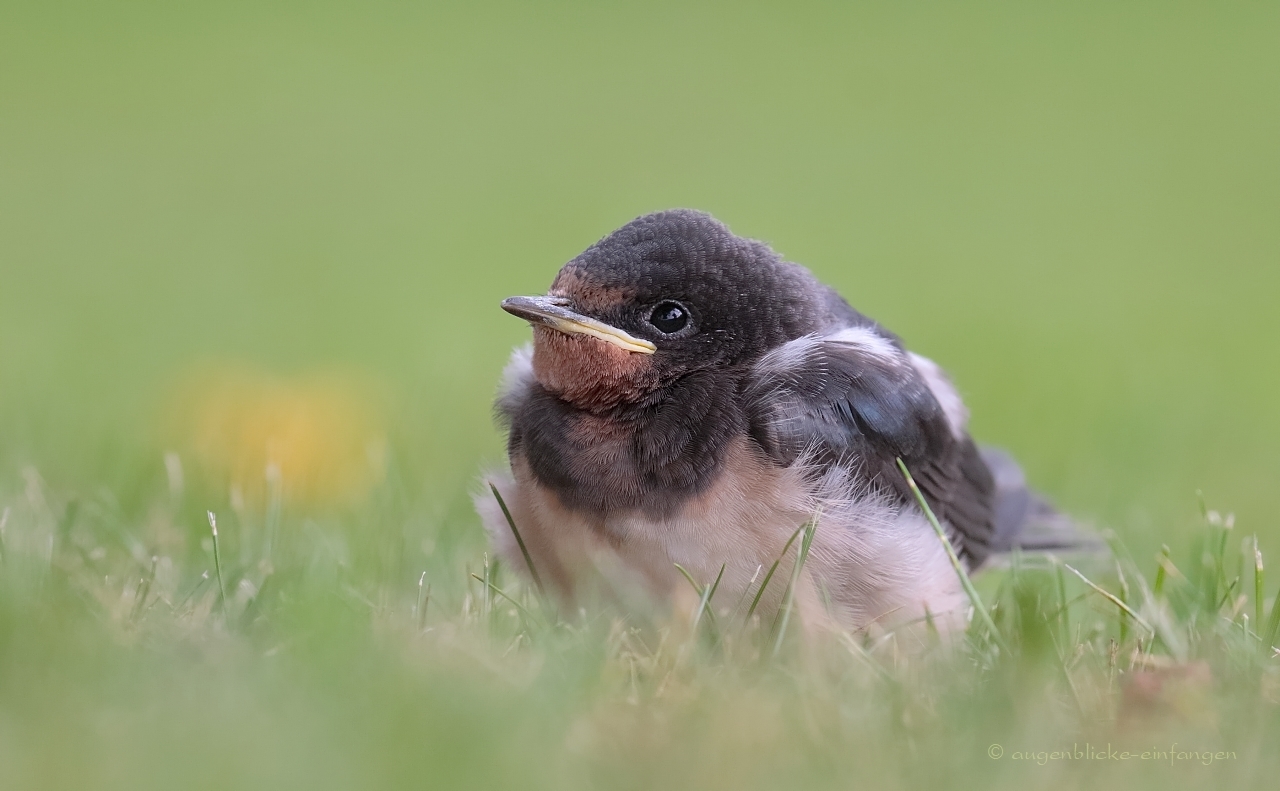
[[489, 585], [1064, 659], [1231, 586], [533, 572], [1059, 609], [704, 595], [765, 583], [706, 599], [1240, 566], [1208, 578], [200, 583], [1124, 597], [255, 604], [810, 528], [746, 590], [217, 562], [684, 572], [420, 609], [1273, 626], [861, 653], [1138, 619], [486, 602], [1162, 562], [1259, 585], [1204, 543], [974, 599], [1226, 527], [931, 625], [1219, 561], [1064, 614], [144, 589]]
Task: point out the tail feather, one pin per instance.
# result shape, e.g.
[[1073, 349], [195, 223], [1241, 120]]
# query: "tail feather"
[[1025, 519]]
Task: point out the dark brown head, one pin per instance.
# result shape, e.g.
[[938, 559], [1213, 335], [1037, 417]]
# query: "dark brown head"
[[665, 295]]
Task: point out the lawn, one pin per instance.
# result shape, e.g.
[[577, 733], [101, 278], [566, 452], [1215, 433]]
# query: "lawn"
[[250, 262]]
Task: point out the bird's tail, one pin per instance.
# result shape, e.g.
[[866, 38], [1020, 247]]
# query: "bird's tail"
[[1026, 520]]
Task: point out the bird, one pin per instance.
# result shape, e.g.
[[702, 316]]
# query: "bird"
[[691, 401]]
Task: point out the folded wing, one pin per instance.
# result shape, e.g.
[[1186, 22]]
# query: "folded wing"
[[857, 399]]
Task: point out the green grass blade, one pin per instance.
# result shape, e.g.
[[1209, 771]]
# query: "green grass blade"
[[1064, 613], [487, 579], [931, 625], [746, 590], [684, 572], [706, 599], [217, 562], [1259, 586], [495, 589], [869, 661], [1162, 572], [705, 592], [144, 590], [200, 583], [1138, 619], [1273, 626], [1124, 597], [765, 582], [974, 599], [420, 609], [1226, 596], [528, 560], [809, 528]]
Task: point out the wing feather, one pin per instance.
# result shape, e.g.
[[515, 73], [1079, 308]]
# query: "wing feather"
[[854, 398]]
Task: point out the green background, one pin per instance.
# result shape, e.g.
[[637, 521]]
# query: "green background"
[[1073, 207]]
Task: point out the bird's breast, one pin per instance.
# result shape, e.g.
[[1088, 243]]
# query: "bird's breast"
[[740, 520], [589, 373]]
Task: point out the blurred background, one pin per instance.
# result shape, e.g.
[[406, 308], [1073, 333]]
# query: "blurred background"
[[251, 255], [249, 234]]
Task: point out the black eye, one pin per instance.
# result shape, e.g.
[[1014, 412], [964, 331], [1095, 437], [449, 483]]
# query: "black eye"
[[669, 317]]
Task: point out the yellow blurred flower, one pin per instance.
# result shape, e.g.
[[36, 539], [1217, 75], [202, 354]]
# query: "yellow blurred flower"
[[317, 437]]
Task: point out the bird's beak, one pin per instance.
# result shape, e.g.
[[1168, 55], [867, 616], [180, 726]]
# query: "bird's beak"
[[554, 313]]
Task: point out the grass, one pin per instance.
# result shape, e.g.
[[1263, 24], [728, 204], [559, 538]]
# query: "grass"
[[320, 670], [975, 601], [250, 262]]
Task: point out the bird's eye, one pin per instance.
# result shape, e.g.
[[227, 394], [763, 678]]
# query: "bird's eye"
[[669, 317]]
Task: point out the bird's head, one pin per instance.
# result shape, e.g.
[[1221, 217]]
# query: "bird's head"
[[665, 295]]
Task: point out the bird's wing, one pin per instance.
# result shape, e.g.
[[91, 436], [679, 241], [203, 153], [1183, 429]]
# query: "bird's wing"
[[855, 398]]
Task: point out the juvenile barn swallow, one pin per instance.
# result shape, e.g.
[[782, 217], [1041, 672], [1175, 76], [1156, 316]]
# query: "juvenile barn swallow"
[[691, 398]]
